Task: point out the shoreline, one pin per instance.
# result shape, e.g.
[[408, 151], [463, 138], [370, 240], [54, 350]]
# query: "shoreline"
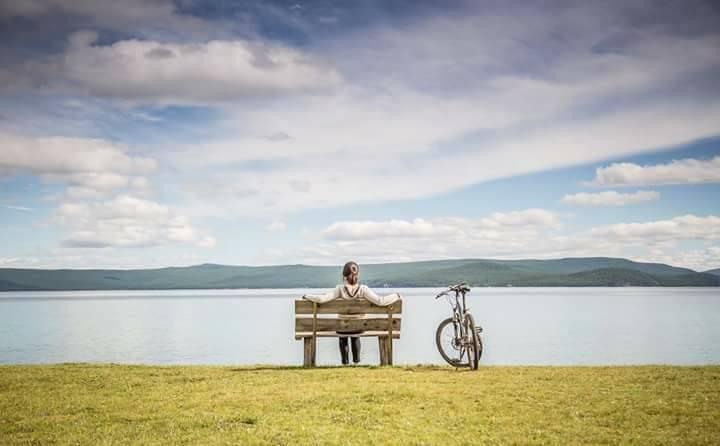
[[377, 288], [278, 367]]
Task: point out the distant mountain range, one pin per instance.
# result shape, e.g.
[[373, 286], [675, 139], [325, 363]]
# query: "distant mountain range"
[[587, 271]]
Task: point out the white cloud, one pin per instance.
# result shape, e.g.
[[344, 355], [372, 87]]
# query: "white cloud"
[[498, 234], [515, 222], [106, 258], [686, 171], [448, 238], [276, 226], [528, 217], [701, 260], [95, 172], [363, 230], [686, 227], [610, 198], [126, 221], [76, 193], [92, 161], [218, 71], [139, 183], [91, 168], [99, 181]]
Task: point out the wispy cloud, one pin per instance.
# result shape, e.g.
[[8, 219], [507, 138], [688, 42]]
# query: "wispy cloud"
[[686, 171], [610, 198], [19, 208]]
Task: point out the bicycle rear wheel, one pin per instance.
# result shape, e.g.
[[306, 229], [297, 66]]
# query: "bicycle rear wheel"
[[474, 347], [448, 338]]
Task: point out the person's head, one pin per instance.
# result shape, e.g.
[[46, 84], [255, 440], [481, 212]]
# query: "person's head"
[[351, 273]]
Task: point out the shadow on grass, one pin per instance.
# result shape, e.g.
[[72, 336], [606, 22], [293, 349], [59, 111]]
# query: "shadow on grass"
[[299, 368], [405, 368]]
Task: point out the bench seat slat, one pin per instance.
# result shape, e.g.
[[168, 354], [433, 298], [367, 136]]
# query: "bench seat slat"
[[344, 306], [327, 324], [332, 334]]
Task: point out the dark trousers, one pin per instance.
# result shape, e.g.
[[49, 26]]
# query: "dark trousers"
[[355, 346]]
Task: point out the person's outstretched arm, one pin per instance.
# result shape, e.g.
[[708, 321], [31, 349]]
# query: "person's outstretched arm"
[[380, 300], [322, 298]]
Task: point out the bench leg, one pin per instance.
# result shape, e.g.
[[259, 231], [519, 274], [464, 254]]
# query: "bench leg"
[[381, 349], [309, 350], [389, 347], [384, 347]]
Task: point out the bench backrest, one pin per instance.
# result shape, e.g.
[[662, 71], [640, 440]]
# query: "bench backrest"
[[322, 319]]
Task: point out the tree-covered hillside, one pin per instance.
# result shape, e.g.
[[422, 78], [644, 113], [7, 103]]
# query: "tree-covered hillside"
[[597, 271]]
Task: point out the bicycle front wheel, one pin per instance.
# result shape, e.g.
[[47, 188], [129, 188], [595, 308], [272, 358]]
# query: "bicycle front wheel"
[[449, 340]]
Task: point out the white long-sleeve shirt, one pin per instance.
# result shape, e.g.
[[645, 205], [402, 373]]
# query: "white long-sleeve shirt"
[[350, 292]]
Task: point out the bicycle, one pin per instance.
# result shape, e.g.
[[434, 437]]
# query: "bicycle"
[[457, 337]]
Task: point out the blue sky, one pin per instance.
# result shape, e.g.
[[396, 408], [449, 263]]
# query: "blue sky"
[[143, 134]]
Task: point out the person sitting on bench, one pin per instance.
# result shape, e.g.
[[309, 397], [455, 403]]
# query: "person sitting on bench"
[[352, 289]]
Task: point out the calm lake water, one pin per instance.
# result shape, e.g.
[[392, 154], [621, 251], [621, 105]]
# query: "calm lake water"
[[554, 326]]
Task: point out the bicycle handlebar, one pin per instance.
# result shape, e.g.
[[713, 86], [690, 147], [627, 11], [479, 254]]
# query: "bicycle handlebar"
[[459, 288]]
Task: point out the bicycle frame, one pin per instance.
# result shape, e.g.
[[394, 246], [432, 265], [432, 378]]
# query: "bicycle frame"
[[459, 311], [459, 307]]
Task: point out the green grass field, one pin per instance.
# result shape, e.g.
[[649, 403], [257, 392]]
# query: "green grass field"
[[109, 404]]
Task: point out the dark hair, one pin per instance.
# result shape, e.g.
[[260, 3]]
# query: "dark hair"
[[348, 268]]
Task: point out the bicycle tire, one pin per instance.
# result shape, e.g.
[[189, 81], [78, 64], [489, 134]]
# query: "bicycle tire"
[[448, 356], [474, 355]]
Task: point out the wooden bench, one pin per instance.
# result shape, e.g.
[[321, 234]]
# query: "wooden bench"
[[314, 321]]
